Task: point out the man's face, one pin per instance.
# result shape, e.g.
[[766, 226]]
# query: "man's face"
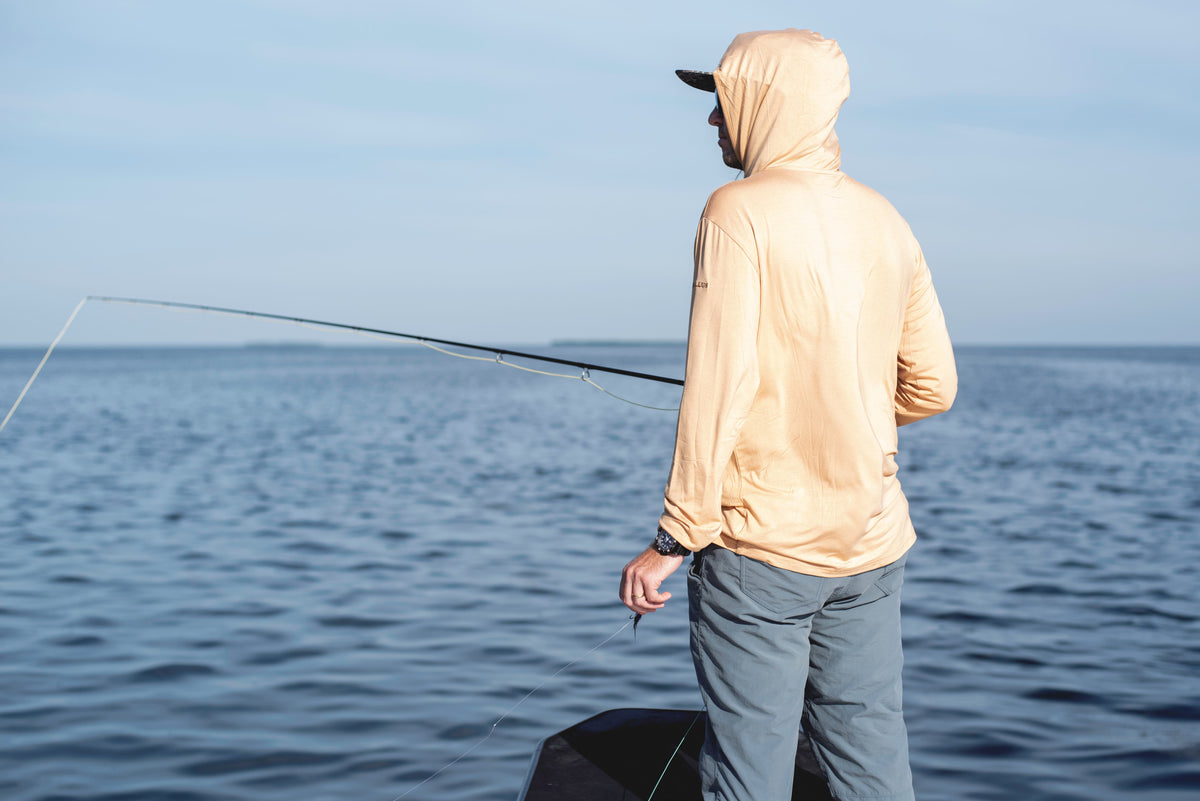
[[717, 120]]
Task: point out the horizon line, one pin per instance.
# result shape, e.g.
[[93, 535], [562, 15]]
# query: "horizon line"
[[554, 343]]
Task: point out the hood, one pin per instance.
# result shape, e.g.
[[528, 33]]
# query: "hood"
[[780, 92]]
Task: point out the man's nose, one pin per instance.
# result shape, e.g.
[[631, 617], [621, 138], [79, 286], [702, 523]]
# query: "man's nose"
[[716, 118]]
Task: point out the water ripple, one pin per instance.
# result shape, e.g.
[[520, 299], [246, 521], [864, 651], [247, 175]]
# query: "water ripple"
[[250, 575]]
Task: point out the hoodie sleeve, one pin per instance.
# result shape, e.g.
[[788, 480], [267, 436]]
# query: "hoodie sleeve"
[[926, 379], [719, 385]]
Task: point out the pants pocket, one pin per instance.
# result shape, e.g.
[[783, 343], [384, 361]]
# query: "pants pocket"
[[889, 579], [892, 576], [779, 591]]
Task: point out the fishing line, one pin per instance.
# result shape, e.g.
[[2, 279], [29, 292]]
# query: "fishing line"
[[42, 364], [584, 376], [375, 333], [512, 709], [671, 758]]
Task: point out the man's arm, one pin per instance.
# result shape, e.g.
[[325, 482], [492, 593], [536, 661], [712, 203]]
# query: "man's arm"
[[926, 379], [719, 387]]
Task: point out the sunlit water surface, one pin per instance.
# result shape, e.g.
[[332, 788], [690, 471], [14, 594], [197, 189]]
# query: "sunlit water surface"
[[252, 574]]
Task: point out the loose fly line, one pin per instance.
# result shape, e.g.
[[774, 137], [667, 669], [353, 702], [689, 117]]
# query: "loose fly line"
[[41, 364], [432, 343]]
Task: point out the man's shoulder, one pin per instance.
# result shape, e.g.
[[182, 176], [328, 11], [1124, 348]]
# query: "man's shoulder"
[[878, 207], [867, 195], [730, 206], [730, 197]]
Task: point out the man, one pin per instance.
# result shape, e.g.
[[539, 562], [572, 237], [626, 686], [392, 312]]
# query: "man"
[[815, 331]]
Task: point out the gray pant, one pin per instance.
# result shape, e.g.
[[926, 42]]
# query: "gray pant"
[[775, 650]]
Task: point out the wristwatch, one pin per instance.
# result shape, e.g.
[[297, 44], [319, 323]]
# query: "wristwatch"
[[667, 545]]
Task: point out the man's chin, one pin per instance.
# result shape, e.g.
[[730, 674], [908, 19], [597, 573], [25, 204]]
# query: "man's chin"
[[731, 160]]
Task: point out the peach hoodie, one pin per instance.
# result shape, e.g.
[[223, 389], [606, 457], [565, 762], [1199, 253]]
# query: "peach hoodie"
[[815, 331]]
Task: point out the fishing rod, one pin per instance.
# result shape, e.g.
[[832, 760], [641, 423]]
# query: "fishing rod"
[[396, 334], [429, 342]]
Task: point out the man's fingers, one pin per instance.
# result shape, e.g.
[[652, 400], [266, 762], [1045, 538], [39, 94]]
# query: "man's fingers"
[[653, 596], [641, 598], [644, 607], [647, 598], [628, 586], [646, 593]]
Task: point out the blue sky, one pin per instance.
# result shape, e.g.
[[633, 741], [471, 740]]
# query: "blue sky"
[[525, 171]]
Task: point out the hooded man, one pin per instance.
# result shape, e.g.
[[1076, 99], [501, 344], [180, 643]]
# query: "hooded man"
[[815, 331]]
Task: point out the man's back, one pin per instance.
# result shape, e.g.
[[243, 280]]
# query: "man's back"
[[810, 297]]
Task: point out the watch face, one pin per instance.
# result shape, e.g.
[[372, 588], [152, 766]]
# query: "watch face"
[[667, 545]]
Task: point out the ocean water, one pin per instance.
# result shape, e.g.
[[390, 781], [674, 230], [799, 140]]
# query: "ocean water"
[[252, 574]]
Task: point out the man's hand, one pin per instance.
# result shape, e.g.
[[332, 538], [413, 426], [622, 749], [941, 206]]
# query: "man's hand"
[[641, 578]]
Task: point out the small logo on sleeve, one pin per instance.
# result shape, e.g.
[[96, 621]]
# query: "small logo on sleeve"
[[702, 284]]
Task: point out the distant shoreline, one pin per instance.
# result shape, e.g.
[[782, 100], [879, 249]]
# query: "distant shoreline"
[[616, 343]]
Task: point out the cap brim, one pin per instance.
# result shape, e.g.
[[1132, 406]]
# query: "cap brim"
[[703, 81]]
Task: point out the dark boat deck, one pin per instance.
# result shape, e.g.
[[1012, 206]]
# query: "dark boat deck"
[[619, 755]]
